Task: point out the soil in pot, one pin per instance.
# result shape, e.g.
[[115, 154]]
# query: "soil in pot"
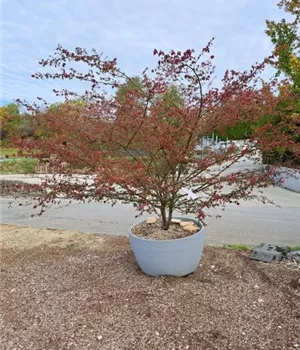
[[154, 231]]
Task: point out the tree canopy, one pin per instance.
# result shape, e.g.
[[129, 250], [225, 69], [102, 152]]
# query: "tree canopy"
[[163, 113], [286, 39]]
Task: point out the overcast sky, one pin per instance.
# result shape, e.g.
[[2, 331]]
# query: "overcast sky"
[[128, 30]]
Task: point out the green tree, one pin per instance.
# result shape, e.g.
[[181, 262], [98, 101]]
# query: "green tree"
[[13, 109], [10, 119], [285, 37], [54, 106], [242, 130], [133, 86]]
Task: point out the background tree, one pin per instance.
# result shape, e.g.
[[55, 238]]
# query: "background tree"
[[133, 86], [285, 37], [10, 119], [282, 145], [12, 109]]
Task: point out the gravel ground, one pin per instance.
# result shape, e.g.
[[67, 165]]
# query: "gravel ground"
[[155, 232], [62, 290]]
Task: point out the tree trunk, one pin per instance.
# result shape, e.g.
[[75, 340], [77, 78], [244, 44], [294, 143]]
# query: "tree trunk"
[[166, 220], [165, 223], [170, 215]]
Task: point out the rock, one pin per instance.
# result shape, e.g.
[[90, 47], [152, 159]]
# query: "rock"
[[151, 220], [191, 228], [283, 250], [176, 221], [294, 256], [293, 264], [186, 223]]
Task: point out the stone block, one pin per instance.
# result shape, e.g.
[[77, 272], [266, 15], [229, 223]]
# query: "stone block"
[[267, 253]]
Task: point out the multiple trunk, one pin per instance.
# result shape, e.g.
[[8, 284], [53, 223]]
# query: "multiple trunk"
[[166, 216]]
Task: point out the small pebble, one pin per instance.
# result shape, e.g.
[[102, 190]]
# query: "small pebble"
[[186, 223], [191, 228], [151, 220]]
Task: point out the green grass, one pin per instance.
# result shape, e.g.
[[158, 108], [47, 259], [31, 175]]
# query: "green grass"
[[237, 246], [11, 152], [18, 166], [245, 248]]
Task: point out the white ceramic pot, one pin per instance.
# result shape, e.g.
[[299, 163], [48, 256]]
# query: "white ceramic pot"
[[174, 257]]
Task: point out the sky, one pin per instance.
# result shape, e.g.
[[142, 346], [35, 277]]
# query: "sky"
[[128, 30]]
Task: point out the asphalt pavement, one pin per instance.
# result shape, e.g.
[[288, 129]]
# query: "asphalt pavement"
[[249, 223]]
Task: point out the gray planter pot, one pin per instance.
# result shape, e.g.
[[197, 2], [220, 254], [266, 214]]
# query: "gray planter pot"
[[174, 257]]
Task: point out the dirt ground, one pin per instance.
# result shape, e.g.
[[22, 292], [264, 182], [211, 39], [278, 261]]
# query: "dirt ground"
[[62, 290]]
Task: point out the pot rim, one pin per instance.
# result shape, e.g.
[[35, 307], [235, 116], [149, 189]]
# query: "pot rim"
[[168, 240]]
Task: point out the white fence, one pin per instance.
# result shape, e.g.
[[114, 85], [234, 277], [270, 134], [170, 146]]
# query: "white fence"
[[288, 178], [215, 144]]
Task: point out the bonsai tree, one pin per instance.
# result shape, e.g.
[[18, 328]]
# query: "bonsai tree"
[[135, 137]]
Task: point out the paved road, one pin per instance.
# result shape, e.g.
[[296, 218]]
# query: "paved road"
[[249, 223], [243, 164]]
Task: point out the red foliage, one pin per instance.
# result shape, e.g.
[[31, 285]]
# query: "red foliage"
[[140, 150]]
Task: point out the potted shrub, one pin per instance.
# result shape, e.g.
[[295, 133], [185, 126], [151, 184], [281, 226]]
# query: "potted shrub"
[[138, 145]]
